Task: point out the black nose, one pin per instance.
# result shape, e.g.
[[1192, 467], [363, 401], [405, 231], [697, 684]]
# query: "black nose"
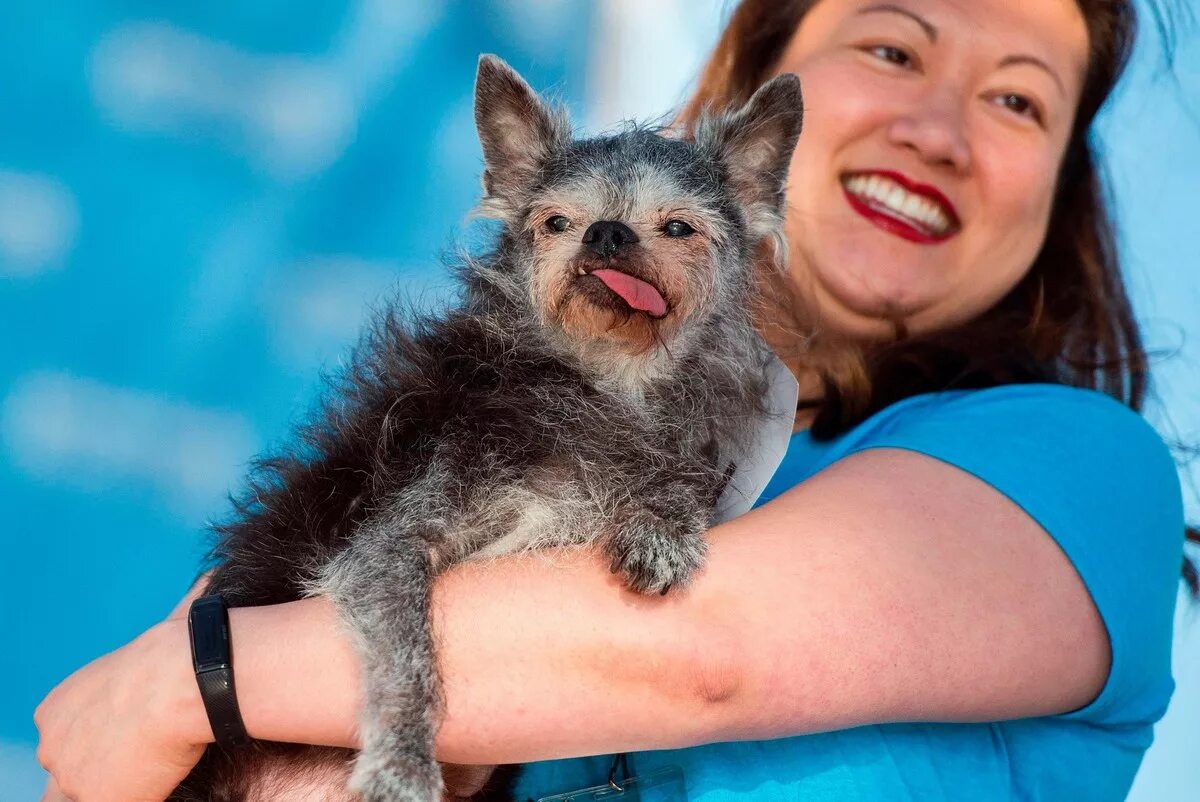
[[608, 237]]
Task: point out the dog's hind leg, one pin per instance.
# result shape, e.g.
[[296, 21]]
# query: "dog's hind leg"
[[380, 585]]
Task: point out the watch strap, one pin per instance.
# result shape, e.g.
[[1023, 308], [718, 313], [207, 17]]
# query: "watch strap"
[[208, 630]]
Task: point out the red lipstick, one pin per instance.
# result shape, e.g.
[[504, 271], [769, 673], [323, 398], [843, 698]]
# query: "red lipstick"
[[890, 221]]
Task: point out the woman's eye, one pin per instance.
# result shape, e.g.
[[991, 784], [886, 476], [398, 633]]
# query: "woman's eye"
[[558, 223], [678, 228], [891, 54], [1019, 104]]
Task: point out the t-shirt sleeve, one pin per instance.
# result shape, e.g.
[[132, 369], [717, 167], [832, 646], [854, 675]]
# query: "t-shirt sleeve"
[[1098, 478]]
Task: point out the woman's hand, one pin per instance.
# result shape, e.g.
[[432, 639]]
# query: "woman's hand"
[[125, 727]]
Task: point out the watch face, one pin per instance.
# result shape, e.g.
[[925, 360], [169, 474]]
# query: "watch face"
[[210, 636]]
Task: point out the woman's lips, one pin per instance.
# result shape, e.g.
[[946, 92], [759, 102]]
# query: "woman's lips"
[[927, 216]]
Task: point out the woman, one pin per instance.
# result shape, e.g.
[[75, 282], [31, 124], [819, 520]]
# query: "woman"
[[1000, 555]]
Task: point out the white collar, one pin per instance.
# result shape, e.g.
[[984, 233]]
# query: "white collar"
[[767, 444]]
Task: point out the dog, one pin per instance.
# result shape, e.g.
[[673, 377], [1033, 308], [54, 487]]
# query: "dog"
[[594, 384]]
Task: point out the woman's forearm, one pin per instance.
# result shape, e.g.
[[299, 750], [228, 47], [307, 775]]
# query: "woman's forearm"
[[547, 655], [522, 679], [889, 587], [296, 676]]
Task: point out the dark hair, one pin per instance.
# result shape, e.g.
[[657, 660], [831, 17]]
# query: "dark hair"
[[1067, 321]]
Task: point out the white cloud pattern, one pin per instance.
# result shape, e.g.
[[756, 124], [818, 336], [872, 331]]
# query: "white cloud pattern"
[[95, 437], [289, 115], [39, 218]]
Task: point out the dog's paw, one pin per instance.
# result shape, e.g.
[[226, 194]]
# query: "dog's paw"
[[396, 778], [653, 554]]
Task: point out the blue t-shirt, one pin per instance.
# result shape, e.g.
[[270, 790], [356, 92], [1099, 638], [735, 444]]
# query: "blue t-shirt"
[[1101, 482]]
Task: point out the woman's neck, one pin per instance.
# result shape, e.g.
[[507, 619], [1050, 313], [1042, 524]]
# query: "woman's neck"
[[811, 392]]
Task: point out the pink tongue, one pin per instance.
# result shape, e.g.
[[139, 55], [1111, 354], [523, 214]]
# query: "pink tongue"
[[637, 293]]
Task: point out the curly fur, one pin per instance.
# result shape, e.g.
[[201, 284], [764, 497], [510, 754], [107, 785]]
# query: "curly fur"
[[540, 411]]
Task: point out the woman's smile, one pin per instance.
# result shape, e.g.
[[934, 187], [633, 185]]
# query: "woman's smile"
[[917, 212], [922, 185]]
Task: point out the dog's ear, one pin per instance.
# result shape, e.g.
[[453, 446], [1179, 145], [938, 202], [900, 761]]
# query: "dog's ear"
[[755, 144], [518, 133]]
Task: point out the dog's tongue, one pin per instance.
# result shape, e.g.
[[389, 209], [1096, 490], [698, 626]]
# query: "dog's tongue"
[[637, 293]]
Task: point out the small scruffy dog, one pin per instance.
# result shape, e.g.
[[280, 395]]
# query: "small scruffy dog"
[[593, 386]]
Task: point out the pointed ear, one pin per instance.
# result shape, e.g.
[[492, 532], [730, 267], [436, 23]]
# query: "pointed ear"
[[755, 144], [517, 131]]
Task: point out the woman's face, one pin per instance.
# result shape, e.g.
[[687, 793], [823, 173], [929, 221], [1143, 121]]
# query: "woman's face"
[[933, 133]]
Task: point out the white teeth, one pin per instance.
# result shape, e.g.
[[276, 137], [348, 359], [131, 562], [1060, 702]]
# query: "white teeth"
[[885, 192], [913, 207]]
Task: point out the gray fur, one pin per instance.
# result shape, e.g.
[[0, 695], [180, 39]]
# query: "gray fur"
[[544, 411]]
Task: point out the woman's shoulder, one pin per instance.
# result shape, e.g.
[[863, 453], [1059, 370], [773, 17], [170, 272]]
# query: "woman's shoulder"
[[1099, 479], [1031, 406], [1088, 468], [1013, 427], [1044, 443]]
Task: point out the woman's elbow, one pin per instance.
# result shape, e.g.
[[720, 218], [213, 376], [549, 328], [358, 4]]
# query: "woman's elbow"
[[706, 682]]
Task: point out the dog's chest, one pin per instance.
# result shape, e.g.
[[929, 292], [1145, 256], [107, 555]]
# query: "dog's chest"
[[548, 509]]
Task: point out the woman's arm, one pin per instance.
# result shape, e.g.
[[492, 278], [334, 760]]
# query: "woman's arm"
[[889, 587]]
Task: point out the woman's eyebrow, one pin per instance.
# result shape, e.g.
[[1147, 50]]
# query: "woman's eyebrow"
[[932, 33], [926, 26], [1008, 61]]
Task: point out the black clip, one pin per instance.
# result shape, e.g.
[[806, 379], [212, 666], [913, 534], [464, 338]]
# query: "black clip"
[[620, 763]]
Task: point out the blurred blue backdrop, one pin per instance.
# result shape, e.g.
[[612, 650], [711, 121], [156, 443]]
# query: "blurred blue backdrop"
[[199, 203]]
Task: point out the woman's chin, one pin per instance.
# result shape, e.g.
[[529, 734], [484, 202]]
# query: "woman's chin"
[[871, 305]]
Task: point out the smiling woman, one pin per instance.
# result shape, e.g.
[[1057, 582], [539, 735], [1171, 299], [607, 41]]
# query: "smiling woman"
[[967, 106], [960, 128], [959, 583]]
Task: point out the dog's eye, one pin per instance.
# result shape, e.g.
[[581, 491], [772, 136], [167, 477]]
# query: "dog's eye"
[[678, 228], [558, 223]]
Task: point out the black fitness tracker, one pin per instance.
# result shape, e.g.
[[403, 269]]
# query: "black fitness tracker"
[[208, 628]]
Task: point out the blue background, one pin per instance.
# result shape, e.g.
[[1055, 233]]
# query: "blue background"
[[199, 204]]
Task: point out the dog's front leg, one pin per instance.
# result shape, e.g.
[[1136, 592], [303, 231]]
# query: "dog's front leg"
[[657, 540], [380, 585]]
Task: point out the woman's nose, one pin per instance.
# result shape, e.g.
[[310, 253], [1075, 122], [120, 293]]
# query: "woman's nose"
[[935, 131]]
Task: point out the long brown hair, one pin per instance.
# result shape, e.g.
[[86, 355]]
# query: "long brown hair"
[[1067, 321]]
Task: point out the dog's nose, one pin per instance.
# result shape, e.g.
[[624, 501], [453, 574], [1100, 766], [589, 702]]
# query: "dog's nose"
[[608, 237]]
